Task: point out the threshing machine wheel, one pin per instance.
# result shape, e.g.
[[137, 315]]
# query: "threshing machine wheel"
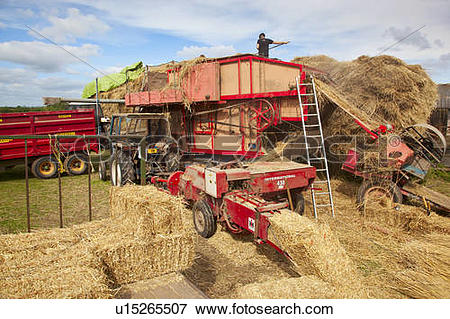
[[381, 192], [44, 167], [261, 115], [76, 164], [204, 220], [426, 141]]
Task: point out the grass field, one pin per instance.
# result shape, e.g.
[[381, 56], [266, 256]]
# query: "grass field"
[[44, 202]]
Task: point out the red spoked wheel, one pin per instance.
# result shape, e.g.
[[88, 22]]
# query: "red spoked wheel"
[[261, 115]]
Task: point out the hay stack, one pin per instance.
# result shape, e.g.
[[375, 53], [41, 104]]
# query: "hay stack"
[[155, 78], [315, 250], [384, 88], [306, 287]]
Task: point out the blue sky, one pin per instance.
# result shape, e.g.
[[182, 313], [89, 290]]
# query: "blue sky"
[[112, 34]]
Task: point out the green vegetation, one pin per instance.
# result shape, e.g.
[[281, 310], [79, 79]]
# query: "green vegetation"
[[44, 202], [20, 109]]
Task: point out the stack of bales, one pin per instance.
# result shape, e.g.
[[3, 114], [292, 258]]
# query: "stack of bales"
[[158, 239], [148, 235]]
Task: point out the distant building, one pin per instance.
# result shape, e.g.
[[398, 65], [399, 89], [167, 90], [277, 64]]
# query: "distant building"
[[440, 116]]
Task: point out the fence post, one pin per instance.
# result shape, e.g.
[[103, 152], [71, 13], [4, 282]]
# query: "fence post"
[[59, 185], [27, 186], [89, 181]]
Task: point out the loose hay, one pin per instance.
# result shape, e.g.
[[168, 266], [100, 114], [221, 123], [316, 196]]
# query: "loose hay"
[[315, 249], [428, 268], [306, 287], [383, 88]]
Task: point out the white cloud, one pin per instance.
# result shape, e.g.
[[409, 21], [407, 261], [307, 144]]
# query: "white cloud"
[[2, 25], [212, 51], [30, 87], [75, 25], [25, 12], [44, 57]]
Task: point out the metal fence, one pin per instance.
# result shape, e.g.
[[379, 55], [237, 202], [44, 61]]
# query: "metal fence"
[[56, 151]]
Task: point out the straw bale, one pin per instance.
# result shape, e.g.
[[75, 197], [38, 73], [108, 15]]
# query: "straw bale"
[[58, 273], [148, 211], [315, 250], [383, 88], [131, 260], [305, 287]]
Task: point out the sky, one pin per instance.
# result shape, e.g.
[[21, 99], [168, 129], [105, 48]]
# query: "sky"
[[36, 36]]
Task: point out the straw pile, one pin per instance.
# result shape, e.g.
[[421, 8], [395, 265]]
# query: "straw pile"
[[427, 273], [383, 88], [306, 287], [91, 260], [315, 250], [155, 78]]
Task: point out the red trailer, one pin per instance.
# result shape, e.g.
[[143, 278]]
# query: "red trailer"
[[41, 151]]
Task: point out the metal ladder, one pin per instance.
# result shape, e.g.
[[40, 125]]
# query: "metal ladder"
[[315, 154]]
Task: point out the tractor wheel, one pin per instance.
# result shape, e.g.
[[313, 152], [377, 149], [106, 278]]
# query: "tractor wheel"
[[122, 169], [298, 202], [376, 191], [76, 164], [102, 171], [204, 220], [44, 167]]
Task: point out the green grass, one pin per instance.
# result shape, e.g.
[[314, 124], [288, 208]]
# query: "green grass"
[[44, 201]]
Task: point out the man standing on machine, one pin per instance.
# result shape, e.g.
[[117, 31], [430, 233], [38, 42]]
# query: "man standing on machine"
[[263, 45]]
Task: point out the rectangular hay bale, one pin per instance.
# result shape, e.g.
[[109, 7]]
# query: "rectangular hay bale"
[[130, 260], [315, 249], [148, 211]]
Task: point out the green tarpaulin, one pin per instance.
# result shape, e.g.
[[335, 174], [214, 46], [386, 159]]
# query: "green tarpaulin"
[[111, 81]]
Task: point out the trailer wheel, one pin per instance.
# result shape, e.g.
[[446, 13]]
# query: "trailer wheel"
[[102, 171], [44, 167], [298, 202], [204, 220], [375, 191], [122, 169], [76, 164]]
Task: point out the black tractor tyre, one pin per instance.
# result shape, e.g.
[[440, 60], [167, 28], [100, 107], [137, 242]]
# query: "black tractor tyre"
[[122, 169], [382, 186], [204, 221], [76, 164], [172, 161], [102, 171], [298, 201], [45, 167]]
